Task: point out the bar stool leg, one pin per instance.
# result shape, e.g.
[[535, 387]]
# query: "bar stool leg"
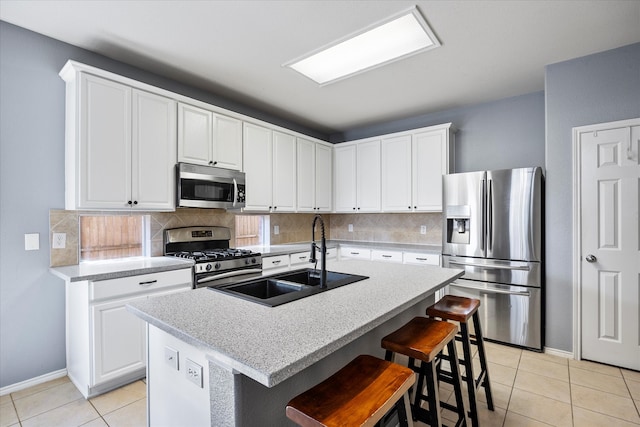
[[469, 376], [433, 394], [457, 381], [484, 372]]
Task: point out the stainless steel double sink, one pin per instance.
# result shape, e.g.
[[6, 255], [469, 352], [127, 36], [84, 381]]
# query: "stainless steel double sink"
[[285, 287]]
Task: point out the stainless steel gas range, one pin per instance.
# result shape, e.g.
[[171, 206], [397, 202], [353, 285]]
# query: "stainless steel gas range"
[[215, 263]]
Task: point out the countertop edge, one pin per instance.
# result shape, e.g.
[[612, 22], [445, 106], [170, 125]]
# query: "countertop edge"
[[106, 271]]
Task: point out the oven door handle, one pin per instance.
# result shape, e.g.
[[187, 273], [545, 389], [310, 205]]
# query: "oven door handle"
[[229, 274]]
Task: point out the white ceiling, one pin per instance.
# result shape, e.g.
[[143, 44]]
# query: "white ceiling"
[[490, 49]]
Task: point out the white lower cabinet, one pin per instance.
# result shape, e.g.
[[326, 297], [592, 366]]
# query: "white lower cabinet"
[[421, 258], [275, 264], [106, 344], [119, 341], [387, 256], [352, 252]]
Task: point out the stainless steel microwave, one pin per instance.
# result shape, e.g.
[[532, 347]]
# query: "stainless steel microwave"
[[209, 187]]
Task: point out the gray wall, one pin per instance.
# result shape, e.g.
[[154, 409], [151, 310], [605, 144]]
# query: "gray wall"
[[32, 335], [513, 127], [598, 88]]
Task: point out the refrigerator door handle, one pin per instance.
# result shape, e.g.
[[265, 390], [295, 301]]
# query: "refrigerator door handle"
[[493, 290], [483, 198], [492, 266], [490, 216]]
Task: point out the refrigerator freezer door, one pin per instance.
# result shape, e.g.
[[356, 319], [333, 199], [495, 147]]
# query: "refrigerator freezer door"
[[463, 216], [514, 214], [509, 314], [519, 273]]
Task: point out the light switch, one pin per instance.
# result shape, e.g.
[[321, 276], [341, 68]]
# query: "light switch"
[[423, 229], [32, 241], [350, 227], [171, 357], [276, 229]]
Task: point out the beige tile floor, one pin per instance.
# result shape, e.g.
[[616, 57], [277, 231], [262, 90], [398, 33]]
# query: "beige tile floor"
[[529, 390]]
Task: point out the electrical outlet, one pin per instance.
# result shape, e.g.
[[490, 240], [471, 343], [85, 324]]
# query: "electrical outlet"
[[171, 357], [194, 372], [59, 241], [423, 229], [350, 228], [276, 229]]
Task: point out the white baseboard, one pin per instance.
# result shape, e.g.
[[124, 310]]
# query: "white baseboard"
[[33, 381], [559, 353]]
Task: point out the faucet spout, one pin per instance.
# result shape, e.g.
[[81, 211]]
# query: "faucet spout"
[[323, 250]]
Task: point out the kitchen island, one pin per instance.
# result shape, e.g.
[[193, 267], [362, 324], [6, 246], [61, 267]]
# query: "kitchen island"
[[215, 359]]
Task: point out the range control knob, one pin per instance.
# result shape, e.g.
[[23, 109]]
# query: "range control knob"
[[217, 266], [208, 267]]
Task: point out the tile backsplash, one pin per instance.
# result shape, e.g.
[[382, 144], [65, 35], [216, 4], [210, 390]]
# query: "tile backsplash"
[[293, 227]]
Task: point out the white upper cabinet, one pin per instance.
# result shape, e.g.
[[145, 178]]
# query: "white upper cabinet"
[[412, 167], [120, 146], [432, 157], [206, 138], [396, 174], [153, 151], [284, 172], [314, 176], [357, 177], [368, 180], [345, 178], [270, 168]]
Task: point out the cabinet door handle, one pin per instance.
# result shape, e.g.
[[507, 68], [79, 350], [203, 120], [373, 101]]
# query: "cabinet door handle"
[[421, 259], [386, 256], [148, 283], [276, 262], [302, 257], [354, 253]]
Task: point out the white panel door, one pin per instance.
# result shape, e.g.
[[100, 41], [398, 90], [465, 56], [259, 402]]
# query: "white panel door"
[[195, 134], [610, 255], [368, 172], [429, 164], [306, 170], [284, 172], [227, 143], [153, 151], [396, 174], [345, 178], [258, 167], [105, 144], [324, 178]]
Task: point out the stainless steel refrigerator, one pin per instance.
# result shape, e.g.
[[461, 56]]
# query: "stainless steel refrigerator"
[[493, 228]]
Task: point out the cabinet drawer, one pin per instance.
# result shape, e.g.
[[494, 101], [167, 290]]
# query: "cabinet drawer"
[[278, 261], [359, 253], [389, 256], [301, 257], [144, 283], [418, 258]]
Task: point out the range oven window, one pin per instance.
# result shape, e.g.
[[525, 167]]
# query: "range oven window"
[[194, 189]]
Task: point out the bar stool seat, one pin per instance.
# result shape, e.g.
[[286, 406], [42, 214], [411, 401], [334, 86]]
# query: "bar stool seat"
[[424, 339], [460, 309], [359, 394]]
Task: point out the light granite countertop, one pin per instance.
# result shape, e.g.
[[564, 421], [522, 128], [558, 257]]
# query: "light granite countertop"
[[271, 344], [103, 270]]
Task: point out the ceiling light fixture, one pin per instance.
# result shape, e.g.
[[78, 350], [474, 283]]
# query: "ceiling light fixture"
[[400, 36]]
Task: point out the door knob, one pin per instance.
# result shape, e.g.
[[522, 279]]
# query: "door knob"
[[591, 258]]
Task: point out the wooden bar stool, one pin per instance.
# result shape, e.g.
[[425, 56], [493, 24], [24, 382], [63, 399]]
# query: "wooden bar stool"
[[424, 339], [360, 394], [461, 309]]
